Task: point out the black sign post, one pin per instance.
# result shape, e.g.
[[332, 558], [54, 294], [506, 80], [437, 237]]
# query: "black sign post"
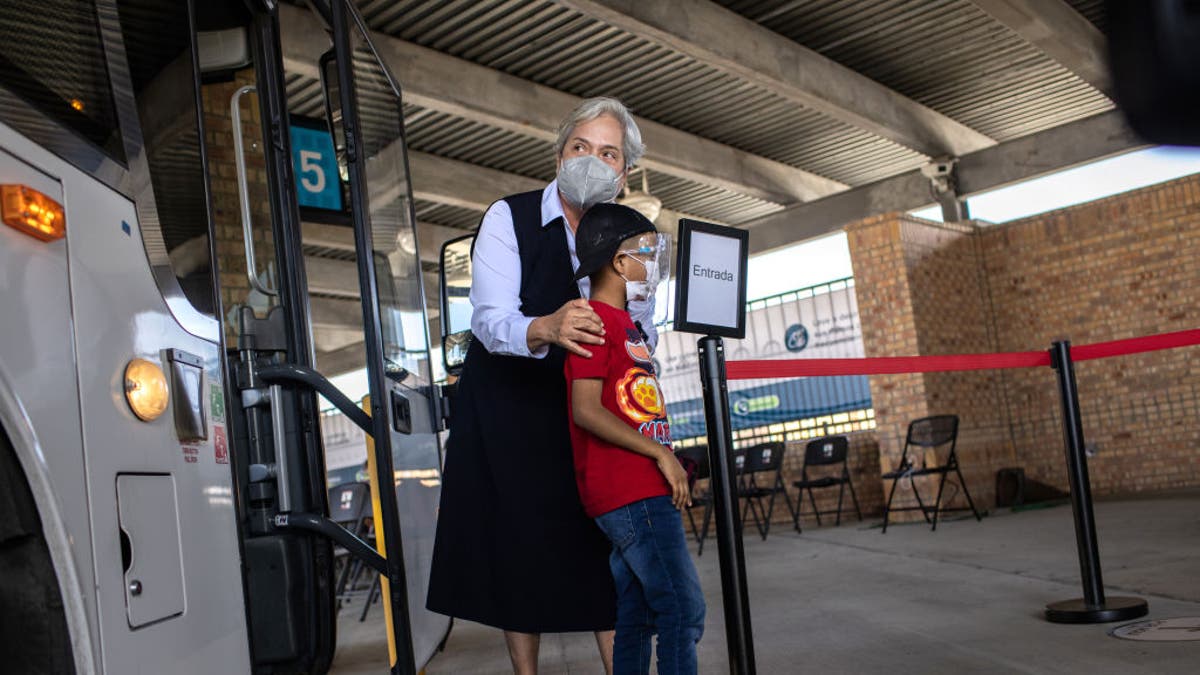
[[712, 267], [738, 633]]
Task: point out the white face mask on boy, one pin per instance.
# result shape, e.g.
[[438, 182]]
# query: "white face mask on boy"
[[642, 290]]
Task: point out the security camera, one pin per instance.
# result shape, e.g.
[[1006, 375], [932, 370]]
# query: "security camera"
[[938, 168]]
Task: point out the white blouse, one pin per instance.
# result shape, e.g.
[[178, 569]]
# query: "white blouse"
[[496, 318]]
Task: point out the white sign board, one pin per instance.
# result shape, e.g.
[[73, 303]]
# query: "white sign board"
[[711, 296]]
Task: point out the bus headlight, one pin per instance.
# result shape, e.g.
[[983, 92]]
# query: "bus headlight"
[[146, 389]]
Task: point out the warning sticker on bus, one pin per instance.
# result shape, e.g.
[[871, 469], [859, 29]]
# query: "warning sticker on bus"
[[216, 403], [220, 444]]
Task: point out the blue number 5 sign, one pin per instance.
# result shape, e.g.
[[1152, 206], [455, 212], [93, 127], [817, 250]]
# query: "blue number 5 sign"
[[315, 166]]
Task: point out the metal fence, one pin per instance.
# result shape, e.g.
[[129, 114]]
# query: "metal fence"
[[815, 322]]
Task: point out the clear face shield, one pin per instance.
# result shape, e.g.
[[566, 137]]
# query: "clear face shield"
[[653, 251]]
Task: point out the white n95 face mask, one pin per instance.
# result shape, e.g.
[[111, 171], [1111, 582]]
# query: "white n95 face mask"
[[586, 181]]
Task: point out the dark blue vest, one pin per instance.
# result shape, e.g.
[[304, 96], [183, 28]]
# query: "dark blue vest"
[[514, 548]]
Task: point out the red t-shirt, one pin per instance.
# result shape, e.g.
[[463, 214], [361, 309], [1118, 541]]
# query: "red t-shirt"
[[608, 476]]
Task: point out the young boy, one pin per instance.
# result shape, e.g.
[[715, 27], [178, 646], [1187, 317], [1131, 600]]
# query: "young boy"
[[629, 480]]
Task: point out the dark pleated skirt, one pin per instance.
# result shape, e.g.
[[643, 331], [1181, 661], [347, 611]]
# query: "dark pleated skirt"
[[514, 548]]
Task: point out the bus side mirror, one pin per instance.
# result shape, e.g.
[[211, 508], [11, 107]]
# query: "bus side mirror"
[[455, 314]]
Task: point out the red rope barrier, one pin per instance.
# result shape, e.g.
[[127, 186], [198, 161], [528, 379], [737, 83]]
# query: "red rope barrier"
[[882, 365], [1150, 343], [890, 365]]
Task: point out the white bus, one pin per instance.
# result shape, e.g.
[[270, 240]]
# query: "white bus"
[[163, 504]]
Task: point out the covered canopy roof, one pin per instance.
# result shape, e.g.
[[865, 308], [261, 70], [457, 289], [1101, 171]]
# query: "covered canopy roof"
[[789, 117]]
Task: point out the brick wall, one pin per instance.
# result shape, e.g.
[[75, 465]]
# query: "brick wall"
[[1118, 267], [926, 292], [226, 206]]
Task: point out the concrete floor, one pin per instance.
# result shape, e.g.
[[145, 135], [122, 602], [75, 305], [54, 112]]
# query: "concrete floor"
[[965, 599]]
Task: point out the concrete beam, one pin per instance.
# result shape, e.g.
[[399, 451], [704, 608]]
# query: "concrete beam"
[[718, 37], [327, 236], [342, 360], [166, 108], [1046, 152], [441, 180], [342, 356], [353, 356], [326, 338], [430, 237], [1014, 161], [335, 313], [458, 87], [469, 186], [340, 278], [347, 313], [1054, 27], [332, 277], [446, 181]]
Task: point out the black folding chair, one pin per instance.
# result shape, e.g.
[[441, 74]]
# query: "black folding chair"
[[701, 498], [825, 452], [350, 507], [761, 479], [926, 436]]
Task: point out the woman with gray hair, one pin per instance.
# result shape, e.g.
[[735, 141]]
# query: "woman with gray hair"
[[514, 548]]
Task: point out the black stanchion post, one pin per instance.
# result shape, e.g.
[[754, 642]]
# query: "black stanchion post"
[[738, 633], [1094, 607]]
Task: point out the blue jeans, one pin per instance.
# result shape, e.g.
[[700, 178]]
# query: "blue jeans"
[[658, 590]]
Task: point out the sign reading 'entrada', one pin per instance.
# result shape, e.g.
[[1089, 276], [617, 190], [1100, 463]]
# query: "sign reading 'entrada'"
[[711, 296], [710, 273]]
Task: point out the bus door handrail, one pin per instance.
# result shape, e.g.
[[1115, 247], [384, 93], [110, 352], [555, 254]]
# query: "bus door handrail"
[[296, 374], [275, 375], [338, 534], [235, 113]]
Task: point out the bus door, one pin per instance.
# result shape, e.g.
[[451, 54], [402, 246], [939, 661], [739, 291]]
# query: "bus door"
[[366, 112], [274, 444], [322, 160]]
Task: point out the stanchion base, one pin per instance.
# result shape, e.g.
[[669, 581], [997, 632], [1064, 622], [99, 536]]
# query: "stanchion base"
[[1114, 609]]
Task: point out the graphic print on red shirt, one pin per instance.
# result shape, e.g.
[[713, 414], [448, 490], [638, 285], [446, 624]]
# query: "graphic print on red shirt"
[[609, 476]]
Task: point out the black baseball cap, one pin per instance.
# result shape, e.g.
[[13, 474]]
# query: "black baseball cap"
[[601, 231]]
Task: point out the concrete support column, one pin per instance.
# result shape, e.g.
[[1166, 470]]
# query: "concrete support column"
[[922, 290]]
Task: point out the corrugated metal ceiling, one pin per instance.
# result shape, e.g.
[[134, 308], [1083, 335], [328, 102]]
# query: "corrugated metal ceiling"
[[945, 54], [558, 48], [443, 214]]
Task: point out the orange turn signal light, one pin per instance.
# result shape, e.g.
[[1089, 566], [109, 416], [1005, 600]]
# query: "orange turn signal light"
[[29, 211], [146, 389]]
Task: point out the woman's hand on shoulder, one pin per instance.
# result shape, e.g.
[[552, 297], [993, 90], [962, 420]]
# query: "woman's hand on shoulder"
[[574, 324]]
